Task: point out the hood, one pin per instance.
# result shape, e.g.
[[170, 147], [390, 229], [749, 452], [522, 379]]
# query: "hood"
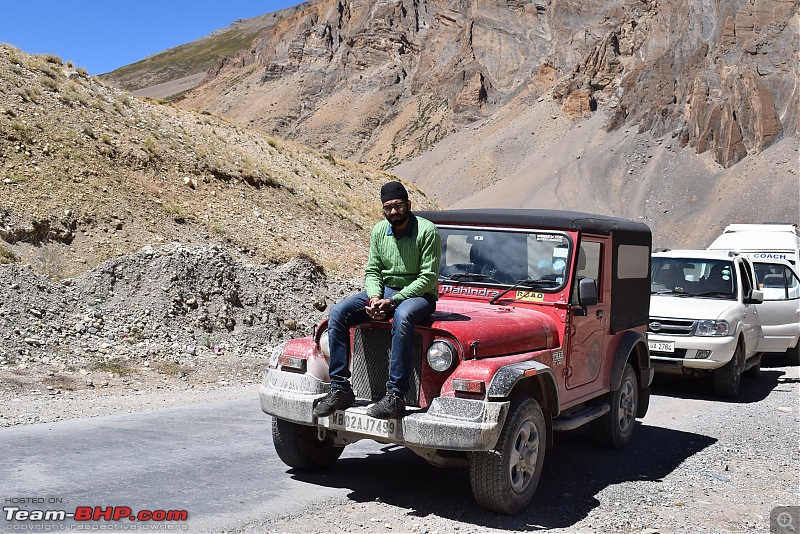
[[498, 330], [688, 307]]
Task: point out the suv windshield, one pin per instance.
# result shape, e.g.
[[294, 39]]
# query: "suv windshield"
[[693, 277], [506, 257]]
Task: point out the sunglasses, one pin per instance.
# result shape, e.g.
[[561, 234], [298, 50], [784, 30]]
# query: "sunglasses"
[[397, 206]]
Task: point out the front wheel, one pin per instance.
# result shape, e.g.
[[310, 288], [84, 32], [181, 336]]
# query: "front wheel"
[[298, 446], [504, 479], [615, 428], [728, 377]]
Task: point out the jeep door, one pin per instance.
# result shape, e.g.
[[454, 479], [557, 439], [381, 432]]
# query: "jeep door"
[[750, 320], [587, 340], [779, 314]]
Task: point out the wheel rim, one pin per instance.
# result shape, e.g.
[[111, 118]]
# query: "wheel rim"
[[627, 406], [524, 456]]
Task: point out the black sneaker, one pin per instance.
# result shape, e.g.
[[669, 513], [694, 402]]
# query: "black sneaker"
[[337, 399], [391, 406]]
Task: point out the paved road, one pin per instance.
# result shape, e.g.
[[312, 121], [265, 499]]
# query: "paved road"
[[216, 461]]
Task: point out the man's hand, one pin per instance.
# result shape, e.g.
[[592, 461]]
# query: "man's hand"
[[378, 309]]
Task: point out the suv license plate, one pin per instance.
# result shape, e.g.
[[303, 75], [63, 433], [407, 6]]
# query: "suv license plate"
[[364, 424], [661, 346]]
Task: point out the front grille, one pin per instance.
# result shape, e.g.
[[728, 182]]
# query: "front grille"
[[666, 363], [678, 354], [369, 365], [670, 326]]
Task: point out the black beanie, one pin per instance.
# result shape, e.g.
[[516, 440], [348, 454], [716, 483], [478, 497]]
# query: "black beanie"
[[393, 191]]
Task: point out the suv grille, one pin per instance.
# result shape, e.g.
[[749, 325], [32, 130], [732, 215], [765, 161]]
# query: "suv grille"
[[679, 354], [369, 365], [670, 326]]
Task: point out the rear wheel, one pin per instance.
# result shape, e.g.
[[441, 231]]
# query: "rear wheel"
[[616, 427], [504, 479], [728, 377], [298, 446]]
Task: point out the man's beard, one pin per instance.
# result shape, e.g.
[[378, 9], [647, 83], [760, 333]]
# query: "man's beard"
[[398, 221]]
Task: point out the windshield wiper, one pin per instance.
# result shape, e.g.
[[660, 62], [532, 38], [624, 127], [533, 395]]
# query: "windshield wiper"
[[707, 294], [672, 292], [528, 282], [459, 276]]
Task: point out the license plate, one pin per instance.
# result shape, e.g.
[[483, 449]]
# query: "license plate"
[[363, 424], [661, 346]]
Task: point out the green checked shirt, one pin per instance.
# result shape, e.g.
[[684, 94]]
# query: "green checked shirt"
[[407, 262]]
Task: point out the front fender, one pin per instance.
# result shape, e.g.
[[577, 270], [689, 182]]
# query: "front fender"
[[506, 379]]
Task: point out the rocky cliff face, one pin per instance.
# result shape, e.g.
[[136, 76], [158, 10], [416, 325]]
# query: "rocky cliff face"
[[382, 80], [718, 76]]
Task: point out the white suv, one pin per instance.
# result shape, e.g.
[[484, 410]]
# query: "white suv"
[[703, 316]]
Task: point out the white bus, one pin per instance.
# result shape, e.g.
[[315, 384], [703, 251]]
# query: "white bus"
[[761, 242]]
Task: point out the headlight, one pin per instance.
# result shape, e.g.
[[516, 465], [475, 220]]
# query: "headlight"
[[441, 355], [709, 327], [324, 344]]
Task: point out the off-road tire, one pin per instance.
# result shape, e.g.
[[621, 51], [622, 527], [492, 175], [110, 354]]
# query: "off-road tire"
[[504, 479], [793, 355], [614, 429], [297, 446], [728, 377]]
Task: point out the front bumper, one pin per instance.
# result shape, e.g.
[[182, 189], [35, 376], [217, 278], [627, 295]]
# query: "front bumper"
[[448, 423], [686, 349]]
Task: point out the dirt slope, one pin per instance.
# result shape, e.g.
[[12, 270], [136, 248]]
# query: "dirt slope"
[[89, 173]]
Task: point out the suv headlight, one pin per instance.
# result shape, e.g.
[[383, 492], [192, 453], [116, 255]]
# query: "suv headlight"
[[441, 355], [324, 344], [709, 327]]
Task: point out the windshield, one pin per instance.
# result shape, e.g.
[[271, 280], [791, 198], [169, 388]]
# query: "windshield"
[[693, 277], [505, 257]]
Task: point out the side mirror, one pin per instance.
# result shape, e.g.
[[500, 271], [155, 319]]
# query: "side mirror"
[[587, 292], [756, 297]]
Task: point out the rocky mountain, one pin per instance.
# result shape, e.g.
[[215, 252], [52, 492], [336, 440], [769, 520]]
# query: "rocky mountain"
[[715, 75], [684, 101], [180, 68]]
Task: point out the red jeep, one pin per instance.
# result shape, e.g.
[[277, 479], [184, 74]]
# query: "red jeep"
[[540, 326]]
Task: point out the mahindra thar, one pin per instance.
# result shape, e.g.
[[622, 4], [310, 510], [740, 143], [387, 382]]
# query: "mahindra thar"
[[540, 327]]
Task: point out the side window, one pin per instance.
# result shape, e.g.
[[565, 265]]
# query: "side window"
[[634, 261], [777, 281], [588, 266], [792, 285]]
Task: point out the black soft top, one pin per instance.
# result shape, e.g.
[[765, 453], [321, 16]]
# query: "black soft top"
[[537, 218]]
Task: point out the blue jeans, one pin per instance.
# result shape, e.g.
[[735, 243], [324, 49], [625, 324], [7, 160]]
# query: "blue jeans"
[[350, 312]]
